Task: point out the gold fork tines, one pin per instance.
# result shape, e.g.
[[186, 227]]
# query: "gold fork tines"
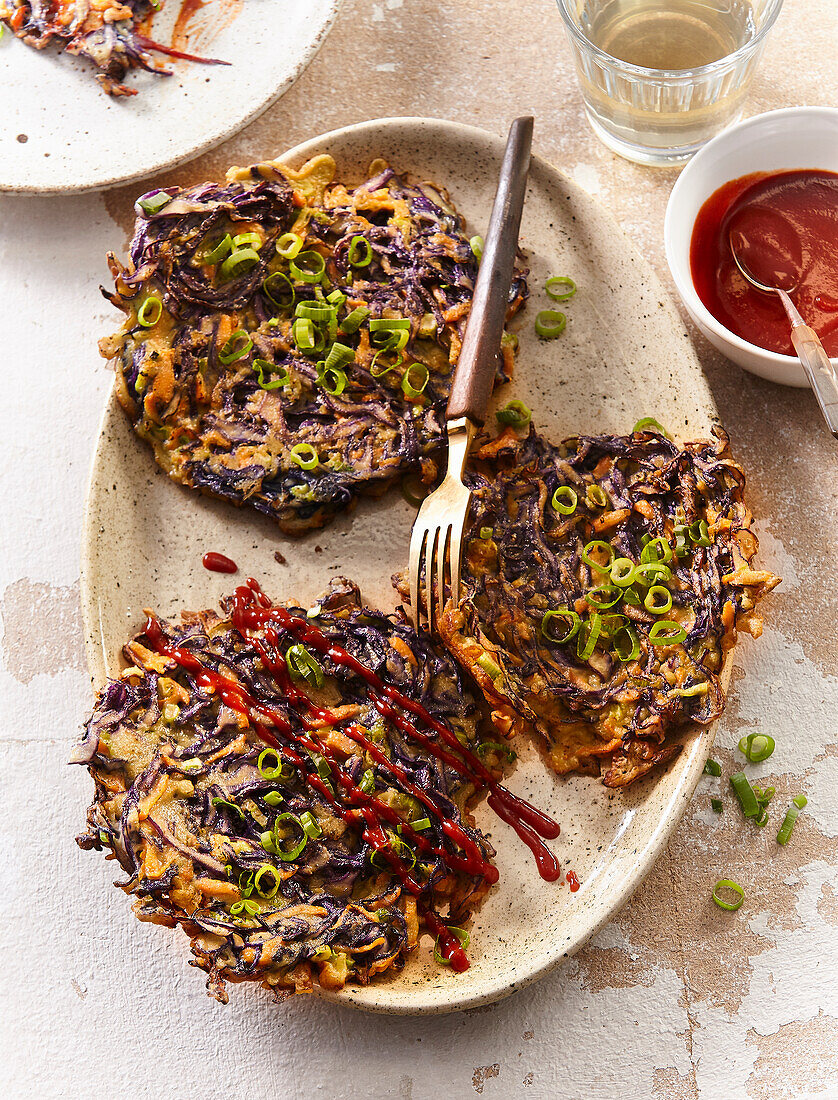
[[436, 541]]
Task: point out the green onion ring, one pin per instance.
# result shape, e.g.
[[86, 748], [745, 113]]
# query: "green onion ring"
[[612, 624], [235, 348], [217, 253], [757, 747], [494, 746], [308, 267], [332, 379], [265, 770], [310, 826], [461, 935], [486, 532], [598, 544], [489, 665], [700, 532], [656, 551], [658, 600], [550, 323], [515, 413], [588, 635], [477, 244], [288, 246], [367, 781], [603, 596], [792, 814], [266, 869], [353, 321], [650, 422], [728, 884], [302, 665], [622, 572], [408, 388], [745, 793], [315, 311], [596, 496], [302, 333], [152, 303], [279, 289], [649, 572], [713, 767], [340, 355], [560, 613], [387, 366], [565, 500], [289, 853], [633, 651], [281, 372], [363, 260], [556, 281], [305, 456], [155, 203], [229, 805], [666, 632], [243, 259], [242, 240], [717, 805]]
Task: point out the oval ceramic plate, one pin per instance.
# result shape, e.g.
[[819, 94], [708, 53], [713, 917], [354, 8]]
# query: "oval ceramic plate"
[[623, 355], [62, 133]]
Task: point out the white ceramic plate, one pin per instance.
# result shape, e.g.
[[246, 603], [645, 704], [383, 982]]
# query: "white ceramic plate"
[[61, 133], [623, 355]]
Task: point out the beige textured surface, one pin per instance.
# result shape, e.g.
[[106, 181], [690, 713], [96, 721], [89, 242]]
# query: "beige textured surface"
[[674, 999]]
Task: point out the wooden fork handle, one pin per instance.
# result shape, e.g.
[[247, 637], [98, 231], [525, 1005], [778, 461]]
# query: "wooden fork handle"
[[474, 375]]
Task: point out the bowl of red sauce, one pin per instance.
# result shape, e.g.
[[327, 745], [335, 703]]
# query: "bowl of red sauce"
[[771, 185]]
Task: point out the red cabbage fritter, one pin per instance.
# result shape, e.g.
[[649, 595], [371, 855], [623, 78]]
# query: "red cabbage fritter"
[[259, 794], [289, 342], [604, 580]]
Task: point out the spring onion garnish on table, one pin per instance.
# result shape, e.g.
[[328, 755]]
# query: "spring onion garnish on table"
[[560, 287], [798, 803], [757, 747], [745, 793], [713, 767], [515, 413], [722, 891], [550, 323]]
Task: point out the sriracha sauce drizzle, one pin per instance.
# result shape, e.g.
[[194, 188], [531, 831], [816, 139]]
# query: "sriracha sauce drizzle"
[[253, 612]]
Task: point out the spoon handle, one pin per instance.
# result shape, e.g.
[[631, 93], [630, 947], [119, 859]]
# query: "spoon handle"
[[820, 371]]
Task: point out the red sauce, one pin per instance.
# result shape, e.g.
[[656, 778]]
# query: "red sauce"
[[219, 563], [571, 879], [788, 224], [255, 617]]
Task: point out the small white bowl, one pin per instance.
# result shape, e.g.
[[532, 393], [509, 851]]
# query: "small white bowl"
[[796, 137]]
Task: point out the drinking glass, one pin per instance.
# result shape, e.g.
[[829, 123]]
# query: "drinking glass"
[[661, 116]]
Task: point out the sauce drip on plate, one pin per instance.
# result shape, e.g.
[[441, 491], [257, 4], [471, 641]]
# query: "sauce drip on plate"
[[218, 563], [785, 225]]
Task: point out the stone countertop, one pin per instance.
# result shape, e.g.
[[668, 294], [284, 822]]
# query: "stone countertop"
[[674, 1000]]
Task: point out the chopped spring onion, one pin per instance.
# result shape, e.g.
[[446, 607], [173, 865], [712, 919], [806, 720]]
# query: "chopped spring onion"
[[630, 652], [690, 692], [560, 288], [416, 387], [150, 311], [791, 817], [360, 252], [286, 853], [421, 824], [494, 746], [218, 251], [681, 535], [243, 259], [550, 323], [489, 666], [305, 456], [367, 781], [279, 770], [666, 632], [757, 747], [745, 793], [288, 246], [337, 298], [379, 371], [229, 805], [315, 311], [332, 379], [565, 500], [303, 666], [588, 635], [275, 798], [658, 600], [598, 545], [603, 596], [725, 902], [310, 825], [279, 289], [308, 267], [713, 767], [596, 496], [302, 333], [266, 891], [243, 240], [649, 422], [389, 324], [622, 572], [235, 348], [282, 376], [154, 203], [515, 413], [486, 532], [477, 245], [700, 533], [570, 617], [650, 572], [461, 935], [612, 624], [656, 550], [717, 805], [353, 321], [340, 355], [248, 908]]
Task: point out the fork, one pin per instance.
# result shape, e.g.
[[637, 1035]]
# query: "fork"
[[437, 539]]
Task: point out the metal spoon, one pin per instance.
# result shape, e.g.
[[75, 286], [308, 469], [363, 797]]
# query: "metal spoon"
[[819, 370]]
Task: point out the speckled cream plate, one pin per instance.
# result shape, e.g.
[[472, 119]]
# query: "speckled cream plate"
[[623, 355], [61, 133]]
